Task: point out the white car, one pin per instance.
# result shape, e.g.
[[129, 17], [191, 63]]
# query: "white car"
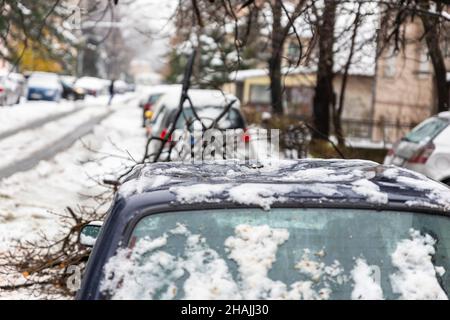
[[93, 86], [120, 87], [10, 89], [426, 149], [208, 105], [44, 86]]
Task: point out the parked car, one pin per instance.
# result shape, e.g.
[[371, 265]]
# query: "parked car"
[[150, 98], [69, 90], [426, 149], [92, 86], [120, 87], [303, 229], [21, 82], [44, 86], [10, 89], [208, 104]]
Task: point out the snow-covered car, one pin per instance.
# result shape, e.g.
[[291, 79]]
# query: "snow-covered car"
[[208, 105], [426, 149], [303, 229], [10, 89], [120, 87], [69, 90], [44, 86], [92, 86]]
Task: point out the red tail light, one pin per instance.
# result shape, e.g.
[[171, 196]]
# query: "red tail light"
[[147, 106], [164, 133], [246, 136], [390, 152], [1, 89], [423, 156]]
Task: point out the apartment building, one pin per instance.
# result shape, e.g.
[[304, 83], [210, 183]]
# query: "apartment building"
[[404, 91]]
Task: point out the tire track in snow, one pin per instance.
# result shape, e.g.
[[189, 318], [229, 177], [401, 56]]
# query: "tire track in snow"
[[50, 151], [38, 123]]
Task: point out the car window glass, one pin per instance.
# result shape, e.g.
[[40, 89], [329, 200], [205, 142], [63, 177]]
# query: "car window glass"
[[231, 120], [427, 130], [284, 253]]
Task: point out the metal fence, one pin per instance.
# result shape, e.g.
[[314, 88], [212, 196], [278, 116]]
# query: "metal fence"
[[377, 131]]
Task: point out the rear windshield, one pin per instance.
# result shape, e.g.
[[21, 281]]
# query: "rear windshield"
[[231, 120], [427, 130], [154, 98], [283, 254]]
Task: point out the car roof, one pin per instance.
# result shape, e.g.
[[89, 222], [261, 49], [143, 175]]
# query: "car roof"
[[162, 88], [333, 182], [200, 98], [43, 73]]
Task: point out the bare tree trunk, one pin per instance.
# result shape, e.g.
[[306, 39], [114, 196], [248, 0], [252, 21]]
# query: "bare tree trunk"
[[430, 24], [337, 113], [324, 94], [276, 90]]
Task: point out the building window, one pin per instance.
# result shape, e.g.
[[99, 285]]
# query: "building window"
[[424, 63], [390, 63], [259, 94], [293, 52]]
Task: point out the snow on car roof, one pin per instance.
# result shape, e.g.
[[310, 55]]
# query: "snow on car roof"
[[162, 88], [91, 83], [445, 114], [200, 98], [278, 181], [44, 80]]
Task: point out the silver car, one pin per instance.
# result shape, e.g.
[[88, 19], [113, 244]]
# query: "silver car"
[[10, 90], [426, 149]]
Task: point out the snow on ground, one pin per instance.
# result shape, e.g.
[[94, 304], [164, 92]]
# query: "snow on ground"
[[26, 142], [29, 199], [27, 111]]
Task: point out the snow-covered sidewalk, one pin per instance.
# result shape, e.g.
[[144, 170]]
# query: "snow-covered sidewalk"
[[30, 111]]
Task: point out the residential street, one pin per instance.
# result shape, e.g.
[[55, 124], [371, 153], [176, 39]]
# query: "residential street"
[[221, 153]]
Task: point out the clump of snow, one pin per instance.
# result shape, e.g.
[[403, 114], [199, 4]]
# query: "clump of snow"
[[140, 184], [322, 174], [254, 249], [256, 194], [391, 173], [366, 287], [370, 190], [436, 192], [416, 278], [319, 271], [209, 277], [421, 203], [198, 192], [157, 274]]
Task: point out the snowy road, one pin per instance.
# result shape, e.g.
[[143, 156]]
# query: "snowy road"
[[39, 122], [31, 201], [51, 148]]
